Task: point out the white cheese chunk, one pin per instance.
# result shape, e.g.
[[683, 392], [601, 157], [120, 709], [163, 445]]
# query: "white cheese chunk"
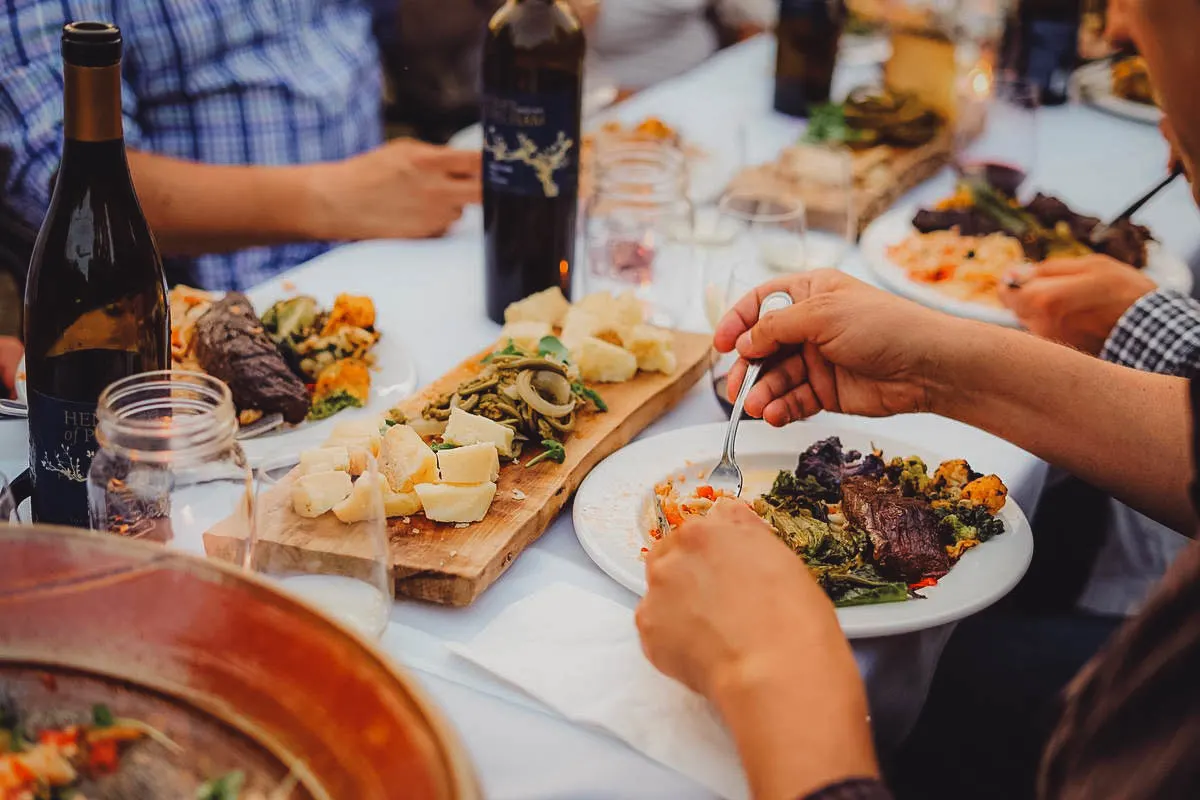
[[325, 459], [365, 501], [464, 429], [405, 460], [313, 495], [622, 311], [653, 347], [475, 463], [601, 362], [549, 306], [400, 504], [578, 325], [362, 433], [444, 502], [526, 334]]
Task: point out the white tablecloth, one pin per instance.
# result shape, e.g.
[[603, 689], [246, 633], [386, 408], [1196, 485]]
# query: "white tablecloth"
[[430, 296]]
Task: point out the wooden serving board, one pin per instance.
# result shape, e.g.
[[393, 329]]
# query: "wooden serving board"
[[880, 176], [452, 565]]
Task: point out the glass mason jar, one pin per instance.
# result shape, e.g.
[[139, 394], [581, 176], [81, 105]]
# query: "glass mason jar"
[[169, 468], [638, 227]]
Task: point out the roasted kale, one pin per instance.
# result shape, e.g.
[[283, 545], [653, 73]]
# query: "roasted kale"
[[859, 584], [826, 463], [963, 521]]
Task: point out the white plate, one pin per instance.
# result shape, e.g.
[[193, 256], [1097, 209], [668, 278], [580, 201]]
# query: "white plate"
[[1092, 84], [612, 516], [1164, 268]]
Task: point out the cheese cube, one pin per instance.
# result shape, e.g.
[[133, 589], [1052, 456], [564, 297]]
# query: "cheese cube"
[[475, 463], [397, 504], [362, 433], [313, 495], [325, 459], [405, 459], [464, 429], [602, 362], [622, 311], [549, 306], [653, 348], [526, 335], [444, 502], [365, 501], [578, 325]]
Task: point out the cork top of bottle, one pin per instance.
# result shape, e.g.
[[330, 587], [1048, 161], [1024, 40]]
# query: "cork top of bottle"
[[91, 44]]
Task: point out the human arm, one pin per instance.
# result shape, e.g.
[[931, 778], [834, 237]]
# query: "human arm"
[[733, 613], [11, 351], [404, 189], [847, 347]]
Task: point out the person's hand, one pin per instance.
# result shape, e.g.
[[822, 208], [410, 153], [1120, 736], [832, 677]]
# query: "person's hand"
[[733, 613], [404, 189], [1076, 301], [844, 346], [11, 351]]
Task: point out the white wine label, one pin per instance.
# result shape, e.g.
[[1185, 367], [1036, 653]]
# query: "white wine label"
[[531, 143], [62, 443]]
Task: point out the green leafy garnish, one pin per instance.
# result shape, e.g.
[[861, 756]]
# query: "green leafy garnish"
[[827, 123], [551, 347], [442, 446], [226, 787], [554, 452], [590, 394], [102, 717], [333, 403], [510, 350]]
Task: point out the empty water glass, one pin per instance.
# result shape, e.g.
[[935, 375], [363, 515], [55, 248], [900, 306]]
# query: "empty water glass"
[[8, 504]]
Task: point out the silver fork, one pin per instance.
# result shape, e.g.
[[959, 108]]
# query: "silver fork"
[[264, 424], [727, 475]]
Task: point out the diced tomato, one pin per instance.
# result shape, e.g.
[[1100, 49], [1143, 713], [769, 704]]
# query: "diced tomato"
[[923, 583], [102, 757], [706, 492], [59, 738]]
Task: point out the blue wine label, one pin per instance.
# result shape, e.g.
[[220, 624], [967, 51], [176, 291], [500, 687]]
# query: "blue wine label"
[[531, 143], [62, 443]]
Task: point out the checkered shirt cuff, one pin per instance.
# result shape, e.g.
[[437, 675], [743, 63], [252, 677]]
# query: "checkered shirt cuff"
[[1159, 333]]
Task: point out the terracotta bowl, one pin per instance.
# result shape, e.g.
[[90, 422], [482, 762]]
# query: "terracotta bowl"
[[239, 674]]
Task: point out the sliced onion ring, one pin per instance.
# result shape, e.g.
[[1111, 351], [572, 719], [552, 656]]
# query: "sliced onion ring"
[[554, 383]]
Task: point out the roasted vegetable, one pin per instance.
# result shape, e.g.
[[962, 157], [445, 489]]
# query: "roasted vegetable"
[[827, 464], [291, 320], [350, 311]]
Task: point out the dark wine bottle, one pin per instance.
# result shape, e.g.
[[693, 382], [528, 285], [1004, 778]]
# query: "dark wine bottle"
[[532, 92], [807, 36], [96, 299]]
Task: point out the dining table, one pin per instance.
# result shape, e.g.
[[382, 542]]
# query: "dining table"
[[430, 296]]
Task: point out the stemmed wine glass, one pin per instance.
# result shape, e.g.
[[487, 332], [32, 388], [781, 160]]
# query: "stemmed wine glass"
[[997, 140], [8, 503], [343, 567]]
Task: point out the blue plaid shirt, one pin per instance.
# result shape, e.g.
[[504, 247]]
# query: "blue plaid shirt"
[[219, 81]]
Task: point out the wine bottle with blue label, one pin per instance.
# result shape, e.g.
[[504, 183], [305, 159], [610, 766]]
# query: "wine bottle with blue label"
[[532, 95], [95, 302]]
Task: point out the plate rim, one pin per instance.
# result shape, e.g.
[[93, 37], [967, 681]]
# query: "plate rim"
[[857, 622], [1085, 85]]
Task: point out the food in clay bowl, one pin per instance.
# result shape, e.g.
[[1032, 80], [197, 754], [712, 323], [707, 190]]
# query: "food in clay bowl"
[[130, 672]]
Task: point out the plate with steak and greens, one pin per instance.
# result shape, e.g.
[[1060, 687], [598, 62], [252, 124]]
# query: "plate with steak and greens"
[[900, 538]]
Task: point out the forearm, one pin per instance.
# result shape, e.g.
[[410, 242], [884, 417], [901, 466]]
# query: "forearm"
[[198, 208], [799, 725], [1124, 431]]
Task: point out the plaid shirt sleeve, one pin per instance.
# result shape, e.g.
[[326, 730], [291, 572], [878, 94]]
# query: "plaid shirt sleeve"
[[853, 789], [31, 110], [1159, 333]]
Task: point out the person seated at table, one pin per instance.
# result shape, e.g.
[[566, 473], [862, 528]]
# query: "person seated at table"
[[253, 130], [733, 614]]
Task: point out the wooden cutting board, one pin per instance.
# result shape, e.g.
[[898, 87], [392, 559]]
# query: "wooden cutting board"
[[452, 565]]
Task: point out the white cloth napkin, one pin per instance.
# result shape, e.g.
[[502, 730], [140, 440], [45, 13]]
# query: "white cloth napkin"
[[579, 654]]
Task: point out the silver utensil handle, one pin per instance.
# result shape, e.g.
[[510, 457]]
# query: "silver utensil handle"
[[776, 301]]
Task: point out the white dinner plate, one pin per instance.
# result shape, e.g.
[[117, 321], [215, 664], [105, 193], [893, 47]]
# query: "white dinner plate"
[[1092, 84], [612, 515], [1163, 267]]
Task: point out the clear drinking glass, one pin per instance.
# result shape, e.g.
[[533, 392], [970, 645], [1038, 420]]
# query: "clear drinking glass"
[[343, 568], [168, 468], [997, 139], [8, 504], [823, 175], [638, 227]]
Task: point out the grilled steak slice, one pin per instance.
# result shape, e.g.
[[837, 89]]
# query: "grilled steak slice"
[[1050, 211], [232, 345], [903, 530], [969, 223]]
